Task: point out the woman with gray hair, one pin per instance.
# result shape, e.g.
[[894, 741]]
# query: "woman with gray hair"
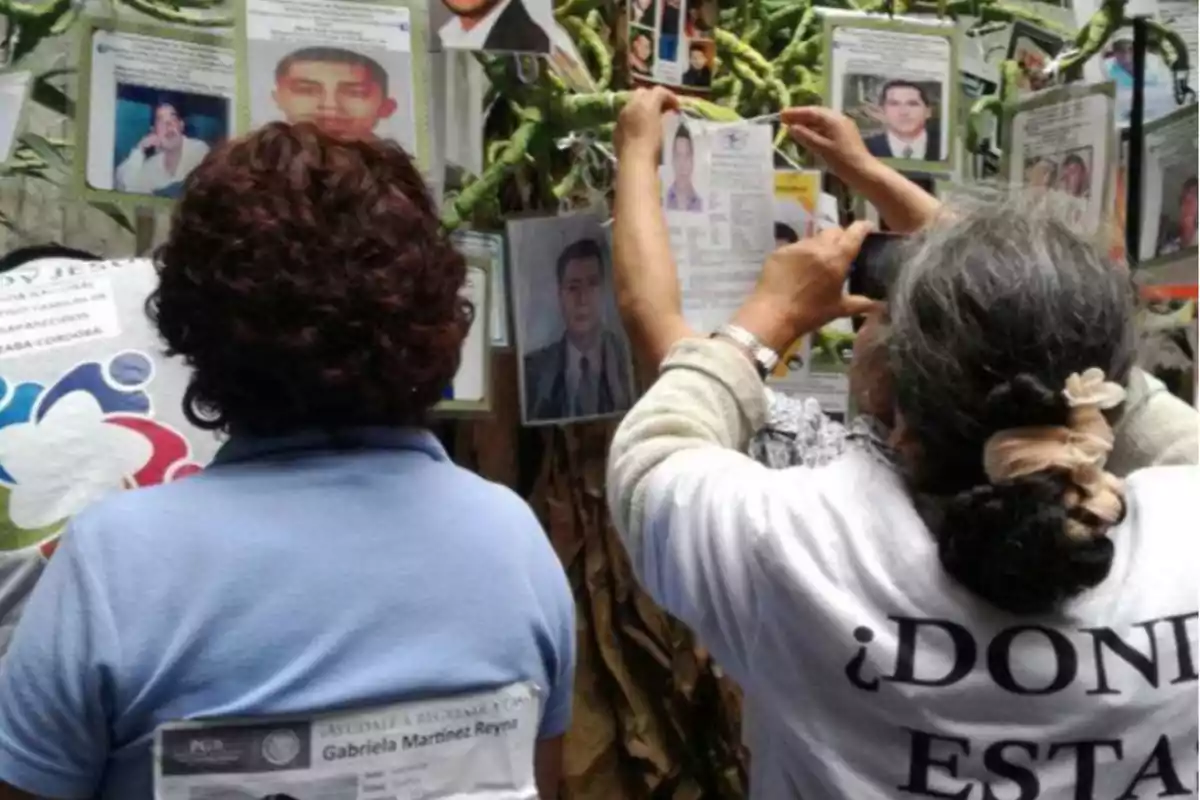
[[970, 604]]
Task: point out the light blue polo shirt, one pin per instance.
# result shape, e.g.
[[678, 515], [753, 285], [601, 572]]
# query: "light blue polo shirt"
[[289, 577]]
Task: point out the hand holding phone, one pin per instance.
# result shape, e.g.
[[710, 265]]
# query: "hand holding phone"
[[875, 266]]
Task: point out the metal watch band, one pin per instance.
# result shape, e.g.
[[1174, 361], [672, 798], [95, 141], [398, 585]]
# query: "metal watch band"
[[765, 359]]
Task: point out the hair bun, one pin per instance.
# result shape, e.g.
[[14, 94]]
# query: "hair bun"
[[1023, 400], [1008, 543]]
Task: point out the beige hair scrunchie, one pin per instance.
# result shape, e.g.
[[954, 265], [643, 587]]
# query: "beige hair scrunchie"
[[1081, 448]]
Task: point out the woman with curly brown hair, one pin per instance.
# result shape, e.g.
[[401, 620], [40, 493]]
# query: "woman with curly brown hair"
[[332, 557]]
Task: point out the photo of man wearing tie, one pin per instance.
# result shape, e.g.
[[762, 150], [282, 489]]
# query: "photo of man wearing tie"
[[905, 110], [586, 372]]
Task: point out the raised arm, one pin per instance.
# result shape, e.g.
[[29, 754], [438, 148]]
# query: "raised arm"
[[903, 205], [688, 503]]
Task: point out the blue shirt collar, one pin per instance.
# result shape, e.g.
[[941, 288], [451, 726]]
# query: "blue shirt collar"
[[241, 447]]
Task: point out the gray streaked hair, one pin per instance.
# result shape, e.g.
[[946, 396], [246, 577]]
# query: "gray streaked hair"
[[994, 306], [1000, 285]]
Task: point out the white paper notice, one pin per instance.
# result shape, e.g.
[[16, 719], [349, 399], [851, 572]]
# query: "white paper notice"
[[1062, 140], [470, 382], [154, 72], [34, 319], [487, 250], [718, 186], [14, 89], [472, 746], [1169, 220]]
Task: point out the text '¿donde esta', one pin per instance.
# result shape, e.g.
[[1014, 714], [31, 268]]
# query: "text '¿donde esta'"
[[1098, 663]]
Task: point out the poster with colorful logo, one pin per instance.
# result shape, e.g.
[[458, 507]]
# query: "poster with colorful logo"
[[89, 404]]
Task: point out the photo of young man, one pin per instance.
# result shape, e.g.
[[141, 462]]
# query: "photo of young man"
[[906, 113], [641, 53], [344, 93], [699, 71], [163, 158], [505, 26], [682, 194]]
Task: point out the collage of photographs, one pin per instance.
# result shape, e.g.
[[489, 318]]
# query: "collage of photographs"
[[161, 98], [670, 42]]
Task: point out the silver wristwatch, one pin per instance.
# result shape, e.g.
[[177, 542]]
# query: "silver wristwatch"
[[765, 359]]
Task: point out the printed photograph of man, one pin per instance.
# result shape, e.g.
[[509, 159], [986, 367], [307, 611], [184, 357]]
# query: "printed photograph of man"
[[1074, 176], [586, 372], [161, 137], [641, 52], [641, 12], [1179, 234], [344, 93], [699, 71], [904, 107], [682, 194], [502, 26]]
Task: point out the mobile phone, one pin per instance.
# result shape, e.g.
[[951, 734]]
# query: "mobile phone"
[[875, 266]]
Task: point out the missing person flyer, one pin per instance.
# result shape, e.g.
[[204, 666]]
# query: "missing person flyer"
[[671, 42], [1064, 140], [1169, 211], [718, 185], [356, 69], [157, 100], [899, 82]]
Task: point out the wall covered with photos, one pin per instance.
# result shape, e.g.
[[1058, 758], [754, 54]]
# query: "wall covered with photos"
[[509, 110]]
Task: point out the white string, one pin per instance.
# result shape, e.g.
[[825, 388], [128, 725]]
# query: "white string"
[[1053, 68], [526, 79]]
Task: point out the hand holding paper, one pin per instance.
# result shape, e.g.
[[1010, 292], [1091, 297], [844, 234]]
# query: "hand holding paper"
[[639, 128], [644, 274], [801, 288], [834, 138]]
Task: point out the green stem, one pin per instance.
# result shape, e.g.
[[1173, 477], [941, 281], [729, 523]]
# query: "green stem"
[[176, 16], [489, 182]]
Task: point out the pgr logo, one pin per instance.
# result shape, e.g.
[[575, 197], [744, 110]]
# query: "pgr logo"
[[281, 747]]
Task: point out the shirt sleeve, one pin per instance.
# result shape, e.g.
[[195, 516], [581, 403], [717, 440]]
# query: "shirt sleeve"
[[55, 683], [558, 614], [129, 172], [1155, 429], [690, 505], [556, 719]]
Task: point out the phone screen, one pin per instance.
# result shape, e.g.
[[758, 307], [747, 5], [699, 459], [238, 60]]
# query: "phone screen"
[[875, 266]]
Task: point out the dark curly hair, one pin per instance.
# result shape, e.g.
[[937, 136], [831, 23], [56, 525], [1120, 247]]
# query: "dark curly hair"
[[994, 307], [308, 284]]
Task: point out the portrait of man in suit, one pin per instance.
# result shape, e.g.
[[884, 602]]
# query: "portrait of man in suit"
[[494, 25], [908, 132], [586, 372]]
